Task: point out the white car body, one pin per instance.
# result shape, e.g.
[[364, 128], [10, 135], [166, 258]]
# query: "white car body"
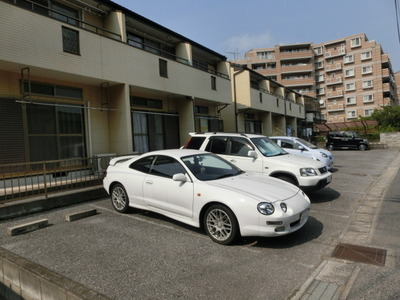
[[300, 147], [258, 153], [184, 197]]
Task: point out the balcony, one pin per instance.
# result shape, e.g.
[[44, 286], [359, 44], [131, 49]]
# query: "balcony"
[[296, 55], [295, 82], [335, 107], [386, 73], [334, 94], [296, 68], [334, 80], [333, 67], [335, 53]]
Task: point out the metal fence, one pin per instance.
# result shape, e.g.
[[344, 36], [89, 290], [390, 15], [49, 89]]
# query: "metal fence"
[[23, 180]]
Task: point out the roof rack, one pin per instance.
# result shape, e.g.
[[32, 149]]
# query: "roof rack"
[[220, 132]]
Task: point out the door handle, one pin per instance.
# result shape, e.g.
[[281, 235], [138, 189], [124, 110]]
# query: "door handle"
[[232, 160], [149, 181]]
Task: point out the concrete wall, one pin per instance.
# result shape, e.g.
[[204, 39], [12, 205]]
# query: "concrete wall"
[[23, 279], [391, 139]]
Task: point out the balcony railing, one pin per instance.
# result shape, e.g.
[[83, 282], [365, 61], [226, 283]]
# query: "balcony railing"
[[24, 180]]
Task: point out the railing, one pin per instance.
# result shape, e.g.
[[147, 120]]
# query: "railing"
[[23, 180], [54, 14]]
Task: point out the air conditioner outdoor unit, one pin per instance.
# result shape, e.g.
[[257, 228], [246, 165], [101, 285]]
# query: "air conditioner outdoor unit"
[[101, 161]]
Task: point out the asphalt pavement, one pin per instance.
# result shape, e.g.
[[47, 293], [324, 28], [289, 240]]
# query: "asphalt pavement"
[[142, 255]]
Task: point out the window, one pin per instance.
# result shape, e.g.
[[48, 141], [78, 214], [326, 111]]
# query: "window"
[[366, 70], [64, 13], [319, 77], [350, 86], [143, 165], [240, 147], [348, 59], [213, 83], [368, 98], [349, 73], [320, 91], [350, 100], [153, 131], [318, 51], [368, 84], [70, 40], [351, 114], [356, 42], [366, 55], [45, 89], [163, 68], [201, 110], [261, 97], [368, 112], [217, 145], [265, 55], [319, 64], [165, 166]]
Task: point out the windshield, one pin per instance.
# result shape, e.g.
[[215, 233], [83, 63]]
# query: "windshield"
[[210, 167], [267, 147], [306, 143]]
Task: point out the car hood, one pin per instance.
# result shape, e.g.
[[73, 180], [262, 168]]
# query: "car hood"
[[258, 186], [324, 151], [299, 161]]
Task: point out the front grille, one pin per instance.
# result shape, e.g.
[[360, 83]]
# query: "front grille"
[[322, 170]]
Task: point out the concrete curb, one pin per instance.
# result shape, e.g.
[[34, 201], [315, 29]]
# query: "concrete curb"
[[33, 205]]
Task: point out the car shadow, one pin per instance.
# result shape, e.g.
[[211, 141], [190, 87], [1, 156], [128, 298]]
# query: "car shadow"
[[324, 195], [310, 231]]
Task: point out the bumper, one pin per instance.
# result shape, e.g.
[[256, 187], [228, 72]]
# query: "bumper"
[[315, 183]]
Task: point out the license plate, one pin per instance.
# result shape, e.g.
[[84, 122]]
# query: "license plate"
[[304, 216]]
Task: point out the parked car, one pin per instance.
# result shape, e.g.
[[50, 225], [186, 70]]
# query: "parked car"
[[257, 153], [204, 190], [298, 146], [346, 139]]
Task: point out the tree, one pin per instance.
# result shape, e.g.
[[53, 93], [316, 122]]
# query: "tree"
[[388, 118]]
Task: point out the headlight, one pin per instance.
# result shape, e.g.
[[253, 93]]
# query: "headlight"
[[265, 208], [323, 155], [308, 172]]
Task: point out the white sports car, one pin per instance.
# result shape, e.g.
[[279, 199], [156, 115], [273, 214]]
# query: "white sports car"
[[204, 190]]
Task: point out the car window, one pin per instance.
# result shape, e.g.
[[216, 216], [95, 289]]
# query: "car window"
[[267, 147], [287, 144], [195, 142], [210, 167], [143, 164], [166, 166], [217, 145], [306, 143], [240, 147]]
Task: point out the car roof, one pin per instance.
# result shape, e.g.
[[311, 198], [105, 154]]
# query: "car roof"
[[176, 152], [284, 137], [249, 135]]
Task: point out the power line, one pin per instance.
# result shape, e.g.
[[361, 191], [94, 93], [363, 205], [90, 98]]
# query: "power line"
[[397, 19]]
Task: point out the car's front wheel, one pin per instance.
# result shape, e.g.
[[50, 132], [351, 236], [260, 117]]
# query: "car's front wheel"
[[221, 224], [362, 147], [119, 198]]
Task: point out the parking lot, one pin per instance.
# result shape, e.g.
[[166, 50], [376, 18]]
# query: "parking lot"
[[142, 255]]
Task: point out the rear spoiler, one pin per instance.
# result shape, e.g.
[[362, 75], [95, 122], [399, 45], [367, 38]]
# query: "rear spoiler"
[[121, 159]]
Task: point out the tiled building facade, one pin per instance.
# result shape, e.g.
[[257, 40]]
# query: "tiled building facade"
[[350, 76]]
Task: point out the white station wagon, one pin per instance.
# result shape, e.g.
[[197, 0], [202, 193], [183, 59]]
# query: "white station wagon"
[[204, 190]]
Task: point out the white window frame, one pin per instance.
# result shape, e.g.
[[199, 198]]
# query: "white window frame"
[[320, 91], [351, 100], [366, 70], [351, 86], [351, 73], [347, 59], [368, 84], [368, 112], [368, 98], [366, 55], [318, 50], [351, 114], [319, 78], [355, 42], [319, 64]]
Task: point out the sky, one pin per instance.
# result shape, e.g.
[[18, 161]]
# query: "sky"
[[232, 27]]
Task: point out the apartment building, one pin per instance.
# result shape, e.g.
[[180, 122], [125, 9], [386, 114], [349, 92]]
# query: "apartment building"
[[88, 77], [261, 105], [350, 76]]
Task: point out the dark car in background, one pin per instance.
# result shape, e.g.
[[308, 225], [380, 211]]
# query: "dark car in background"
[[346, 139]]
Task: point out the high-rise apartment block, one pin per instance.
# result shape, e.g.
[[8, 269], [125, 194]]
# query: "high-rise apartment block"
[[350, 76]]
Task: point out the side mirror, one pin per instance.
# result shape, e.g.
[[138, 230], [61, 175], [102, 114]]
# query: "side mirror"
[[301, 148], [179, 177], [252, 154]]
